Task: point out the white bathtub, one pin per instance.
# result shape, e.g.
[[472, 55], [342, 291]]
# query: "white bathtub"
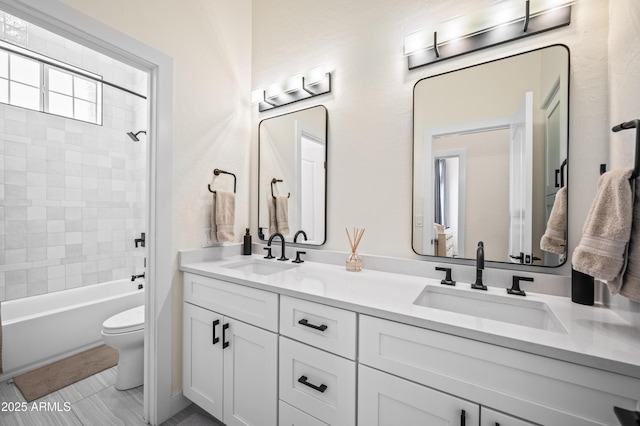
[[41, 329]]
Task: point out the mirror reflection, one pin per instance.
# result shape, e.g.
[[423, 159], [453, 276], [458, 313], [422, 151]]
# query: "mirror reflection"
[[292, 152], [489, 157]]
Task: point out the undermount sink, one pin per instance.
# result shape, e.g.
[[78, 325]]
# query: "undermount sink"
[[507, 309], [260, 266]]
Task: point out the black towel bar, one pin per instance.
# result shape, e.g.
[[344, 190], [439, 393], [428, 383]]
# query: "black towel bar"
[[633, 124], [273, 182], [217, 173]]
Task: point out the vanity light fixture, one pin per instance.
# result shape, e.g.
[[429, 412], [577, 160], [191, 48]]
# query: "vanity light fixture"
[[501, 22], [298, 87]]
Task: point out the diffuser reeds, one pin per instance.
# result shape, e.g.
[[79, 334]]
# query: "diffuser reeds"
[[354, 263]]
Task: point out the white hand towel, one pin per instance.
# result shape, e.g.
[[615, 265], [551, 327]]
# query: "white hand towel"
[[607, 228], [282, 214], [554, 238], [628, 282], [271, 205], [214, 227], [225, 215]]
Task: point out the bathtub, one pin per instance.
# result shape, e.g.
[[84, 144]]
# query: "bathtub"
[[41, 329]]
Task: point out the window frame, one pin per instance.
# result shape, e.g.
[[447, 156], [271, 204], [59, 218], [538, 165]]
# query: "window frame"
[[45, 66]]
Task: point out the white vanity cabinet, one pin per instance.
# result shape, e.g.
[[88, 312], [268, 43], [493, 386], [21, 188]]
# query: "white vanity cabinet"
[[526, 386], [318, 368], [229, 361], [387, 400], [489, 417]]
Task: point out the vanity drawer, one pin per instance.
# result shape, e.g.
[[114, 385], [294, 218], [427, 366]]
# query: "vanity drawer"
[[318, 383], [250, 305], [291, 416], [325, 327], [540, 389]]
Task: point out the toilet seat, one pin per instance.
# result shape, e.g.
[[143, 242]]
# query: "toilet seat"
[[125, 322]]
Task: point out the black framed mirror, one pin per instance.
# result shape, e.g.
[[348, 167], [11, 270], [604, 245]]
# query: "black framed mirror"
[[292, 175], [490, 153]]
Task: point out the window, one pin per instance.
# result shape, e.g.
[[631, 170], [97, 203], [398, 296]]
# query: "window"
[[28, 82]]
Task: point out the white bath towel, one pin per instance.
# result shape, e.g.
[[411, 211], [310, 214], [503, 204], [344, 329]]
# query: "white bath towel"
[[282, 214], [628, 282], [607, 228], [225, 213], [554, 239]]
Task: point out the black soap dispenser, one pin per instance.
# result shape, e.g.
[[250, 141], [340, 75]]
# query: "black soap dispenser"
[[246, 248]]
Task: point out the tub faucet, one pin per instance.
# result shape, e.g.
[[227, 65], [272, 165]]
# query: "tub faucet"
[[277, 234], [478, 285], [300, 232], [135, 277]]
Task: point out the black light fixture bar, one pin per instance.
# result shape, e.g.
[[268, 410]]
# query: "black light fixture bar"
[[306, 91], [525, 27]]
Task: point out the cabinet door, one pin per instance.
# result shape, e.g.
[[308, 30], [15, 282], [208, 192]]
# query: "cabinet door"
[[202, 358], [386, 400], [250, 375], [489, 417]]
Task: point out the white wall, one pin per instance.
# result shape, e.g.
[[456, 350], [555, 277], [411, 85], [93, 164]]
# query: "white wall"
[[370, 106], [210, 43], [624, 86]]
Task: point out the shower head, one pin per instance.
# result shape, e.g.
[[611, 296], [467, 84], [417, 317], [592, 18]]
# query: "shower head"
[[134, 136]]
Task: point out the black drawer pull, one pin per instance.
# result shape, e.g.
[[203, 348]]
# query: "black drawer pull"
[[224, 336], [316, 327], [321, 388], [463, 418], [214, 325]]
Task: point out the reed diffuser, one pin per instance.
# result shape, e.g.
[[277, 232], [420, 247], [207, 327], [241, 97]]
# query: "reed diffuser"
[[354, 263]]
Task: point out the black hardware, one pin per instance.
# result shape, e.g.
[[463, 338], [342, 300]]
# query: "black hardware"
[[519, 257], [515, 285], [214, 325], [478, 285], [463, 418], [527, 16], [225, 344], [282, 252], [298, 260], [261, 233], [603, 169], [140, 286], [304, 322], [246, 247], [273, 182], [633, 124], [497, 424], [135, 277], [217, 172], [140, 240], [300, 232], [447, 279], [627, 417], [269, 255], [435, 44], [560, 173], [321, 388]]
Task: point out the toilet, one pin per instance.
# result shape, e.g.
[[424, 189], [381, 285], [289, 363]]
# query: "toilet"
[[125, 333]]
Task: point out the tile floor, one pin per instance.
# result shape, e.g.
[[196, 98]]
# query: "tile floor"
[[91, 402]]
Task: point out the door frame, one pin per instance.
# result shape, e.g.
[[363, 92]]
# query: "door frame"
[[70, 23]]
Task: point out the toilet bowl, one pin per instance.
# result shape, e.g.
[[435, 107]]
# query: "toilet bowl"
[[125, 333]]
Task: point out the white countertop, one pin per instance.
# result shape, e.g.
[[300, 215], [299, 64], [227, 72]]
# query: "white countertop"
[[595, 336]]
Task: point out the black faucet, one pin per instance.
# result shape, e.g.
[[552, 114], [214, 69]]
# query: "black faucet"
[[295, 237], [478, 285], [134, 277], [282, 252]]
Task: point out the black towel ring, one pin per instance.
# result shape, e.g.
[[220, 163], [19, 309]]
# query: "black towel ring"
[[217, 173], [273, 182], [633, 124]]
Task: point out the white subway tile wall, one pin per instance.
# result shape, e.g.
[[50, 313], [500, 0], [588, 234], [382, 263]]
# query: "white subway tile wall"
[[72, 194]]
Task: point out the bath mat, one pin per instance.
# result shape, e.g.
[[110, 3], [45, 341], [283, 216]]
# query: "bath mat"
[[50, 378]]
